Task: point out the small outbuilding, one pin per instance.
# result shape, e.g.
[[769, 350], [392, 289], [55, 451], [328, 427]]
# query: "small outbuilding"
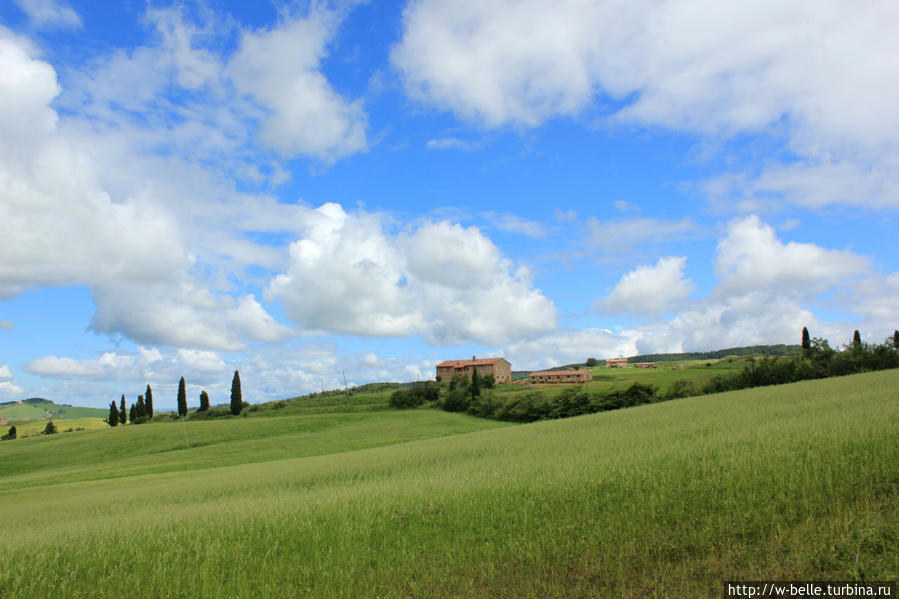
[[560, 376]]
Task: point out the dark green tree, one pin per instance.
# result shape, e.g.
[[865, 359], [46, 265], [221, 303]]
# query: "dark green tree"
[[182, 398], [236, 397], [123, 414], [591, 362], [204, 401], [113, 418], [475, 387], [896, 339], [132, 414], [806, 341], [148, 402], [856, 339], [50, 429], [140, 411], [12, 434]]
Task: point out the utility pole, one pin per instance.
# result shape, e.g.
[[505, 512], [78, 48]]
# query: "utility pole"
[[346, 389]]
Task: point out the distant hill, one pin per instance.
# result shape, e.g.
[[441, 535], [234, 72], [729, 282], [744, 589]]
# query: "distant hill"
[[758, 350], [36, 408]]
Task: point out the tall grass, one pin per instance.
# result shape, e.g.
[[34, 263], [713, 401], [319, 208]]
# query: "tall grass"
[[792, 482]]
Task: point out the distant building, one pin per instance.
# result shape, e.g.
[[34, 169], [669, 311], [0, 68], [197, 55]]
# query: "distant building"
[[560, 376], [616, 363], [498, 367], [3, 421], [644, 364]]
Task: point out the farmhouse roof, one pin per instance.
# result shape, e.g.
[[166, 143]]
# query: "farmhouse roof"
[[474, 362], [556, 372]]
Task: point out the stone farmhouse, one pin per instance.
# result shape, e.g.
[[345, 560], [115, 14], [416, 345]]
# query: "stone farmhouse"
[[559, 376], [498, 367], [616, 363]]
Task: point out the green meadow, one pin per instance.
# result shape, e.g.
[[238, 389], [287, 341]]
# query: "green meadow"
[[793, 482]]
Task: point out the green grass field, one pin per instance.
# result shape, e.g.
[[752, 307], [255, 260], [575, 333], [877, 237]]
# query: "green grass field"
[[37, 409], [794, 482], [662, 376]]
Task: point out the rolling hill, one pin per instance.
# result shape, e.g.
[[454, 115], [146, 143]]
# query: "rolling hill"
[[793, 482], [37, 408]]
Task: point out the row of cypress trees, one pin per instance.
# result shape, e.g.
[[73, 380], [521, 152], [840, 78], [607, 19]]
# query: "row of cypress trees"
[[142, 410]]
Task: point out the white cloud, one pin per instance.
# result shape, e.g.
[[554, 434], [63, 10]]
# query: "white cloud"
[[752, 258], [648, 290], [569, 346], [50, 14], [449, 283], [451, 143], [811, 184], [7, 324], [515, 224], [183, 313], [94, 209], [280, 69], [820, 75], [9, 389]]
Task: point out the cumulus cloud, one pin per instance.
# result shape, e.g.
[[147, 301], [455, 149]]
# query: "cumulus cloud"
[[447, 282], [183, 314], [568, 346], [58, 225], [50, 14], [752, 258], [86, 209], [648, 290], [280, 69], [822, 75]]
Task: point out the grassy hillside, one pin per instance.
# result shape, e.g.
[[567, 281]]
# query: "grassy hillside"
[[791, 482], [662, 376], [37, 408]]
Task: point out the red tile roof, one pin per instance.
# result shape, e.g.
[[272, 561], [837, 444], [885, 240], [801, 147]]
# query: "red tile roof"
[[557, 372], [478, 362]]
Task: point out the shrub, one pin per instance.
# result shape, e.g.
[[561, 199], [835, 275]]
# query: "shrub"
[[50, 429], [681, 388], [405, 398]]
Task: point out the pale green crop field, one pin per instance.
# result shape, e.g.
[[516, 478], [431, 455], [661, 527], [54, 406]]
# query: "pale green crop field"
[[662, 376], [794, 482], [34, 427]]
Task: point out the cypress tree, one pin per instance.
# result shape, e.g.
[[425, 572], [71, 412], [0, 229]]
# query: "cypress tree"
[[182, 398], [896, 339], [236, 397], [475, 388], [113, 418], [12, 434], [122, 413], [148, 401], [140, 410], [806, 341], [131, 413], [204, 401], [856, 339]]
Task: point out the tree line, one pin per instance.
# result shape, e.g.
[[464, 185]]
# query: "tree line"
[[141, 411], [815, 360]]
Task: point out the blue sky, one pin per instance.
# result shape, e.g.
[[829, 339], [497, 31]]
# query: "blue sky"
[[307, 191]]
